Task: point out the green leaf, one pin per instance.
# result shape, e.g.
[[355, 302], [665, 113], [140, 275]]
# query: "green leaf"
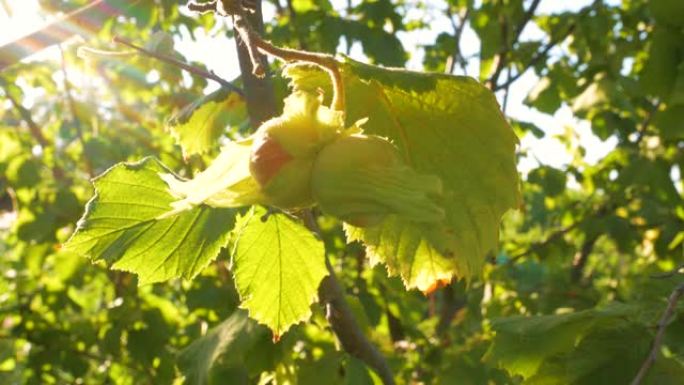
[[357, 373], [606, 355], [677, 96], [544, 96], [521, 128], [446, 126], [121, 226], [227, 344], [670, 122], [663, 58], [23, 171], [597, 94], [550, 179], [278, 265], [199, 125], [10, 147], [669, 12], [522, 343], [591, 347]]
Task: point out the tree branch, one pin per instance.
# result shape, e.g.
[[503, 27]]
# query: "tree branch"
[[541, 54], [601, 211], [451, 304], [87, 19], [641, 129], [255, 43], [658, 340], [537, 57], [259, 95], [526, 19], [581, 258], [347, 330], [33, 127], [502, 57], [457, 57], [541, 244], [342, 320], [74, 113], [25, 114], [504, 103]]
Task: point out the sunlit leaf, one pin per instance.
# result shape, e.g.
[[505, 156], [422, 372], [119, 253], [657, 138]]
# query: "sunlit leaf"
[[446, 126], [227, 344], [523, 343], [121, 226], [198, 127], [278, 265]]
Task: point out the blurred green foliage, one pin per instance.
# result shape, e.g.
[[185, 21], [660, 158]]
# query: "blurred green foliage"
[[568, 299]]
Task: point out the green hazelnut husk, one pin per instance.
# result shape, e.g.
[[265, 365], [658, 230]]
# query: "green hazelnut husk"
[[285, 148], [362, 179]]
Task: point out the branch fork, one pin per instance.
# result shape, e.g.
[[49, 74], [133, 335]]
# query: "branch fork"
[[255, 44]]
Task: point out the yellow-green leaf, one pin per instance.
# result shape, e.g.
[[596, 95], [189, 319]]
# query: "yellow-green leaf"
[[278, 265], [447, 126], [122, 226]]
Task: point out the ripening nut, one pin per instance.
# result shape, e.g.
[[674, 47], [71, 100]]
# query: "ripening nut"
[[306, 157], [285, 147], [362, 179]]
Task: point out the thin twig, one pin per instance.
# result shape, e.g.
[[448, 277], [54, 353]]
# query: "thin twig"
[[537, 57], [658, 340], [74, 113], [504, 104], [185, 66], [526, 19], [457, 57], [542, 54], [34, 128], [203, 7], [501, 58], [600, 212], [581, 258], [641, 129], [539, 245], [25, 114]]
